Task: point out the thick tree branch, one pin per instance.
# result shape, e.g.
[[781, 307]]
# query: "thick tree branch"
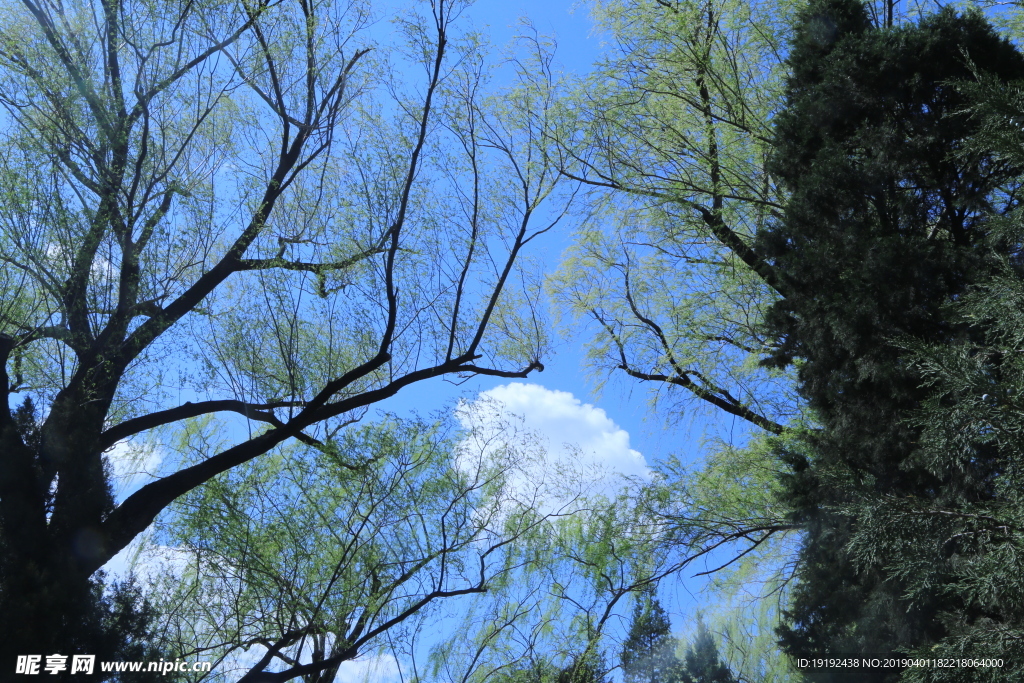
[[714, 222], [255, 411], [737, 409], [681, 378], [318, 268], [140, 509]]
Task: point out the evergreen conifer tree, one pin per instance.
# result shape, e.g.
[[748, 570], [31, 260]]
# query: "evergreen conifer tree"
[[882, 230], [113, 621], [974, 414], [649, 652], [586, 668], [702, 663]]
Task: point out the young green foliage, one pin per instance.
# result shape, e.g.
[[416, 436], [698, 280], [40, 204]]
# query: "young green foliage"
[[313, 556], [677, 122], [246, 210]]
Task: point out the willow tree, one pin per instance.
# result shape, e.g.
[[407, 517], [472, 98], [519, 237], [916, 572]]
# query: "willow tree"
[[235, 209], [290, 566], [677, 122], [674, 131]]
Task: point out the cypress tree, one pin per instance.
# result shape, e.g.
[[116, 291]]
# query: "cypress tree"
[[974, 416], [586, 668], [881, 230], [702, 663], [113, 621], [649, 652]]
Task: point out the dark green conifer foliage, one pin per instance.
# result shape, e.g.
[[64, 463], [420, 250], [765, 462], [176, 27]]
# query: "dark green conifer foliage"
[[587, 668], [112, 621], [649, 653], [702, 663], [882, 229], [581, 668], [974, 415]]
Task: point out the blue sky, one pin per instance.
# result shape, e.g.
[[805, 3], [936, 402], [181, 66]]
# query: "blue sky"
[[623, 402], [614, 429]]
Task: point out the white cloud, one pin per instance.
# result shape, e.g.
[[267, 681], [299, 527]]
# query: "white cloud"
[[573, 439], [134, 464], [148, 561]]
